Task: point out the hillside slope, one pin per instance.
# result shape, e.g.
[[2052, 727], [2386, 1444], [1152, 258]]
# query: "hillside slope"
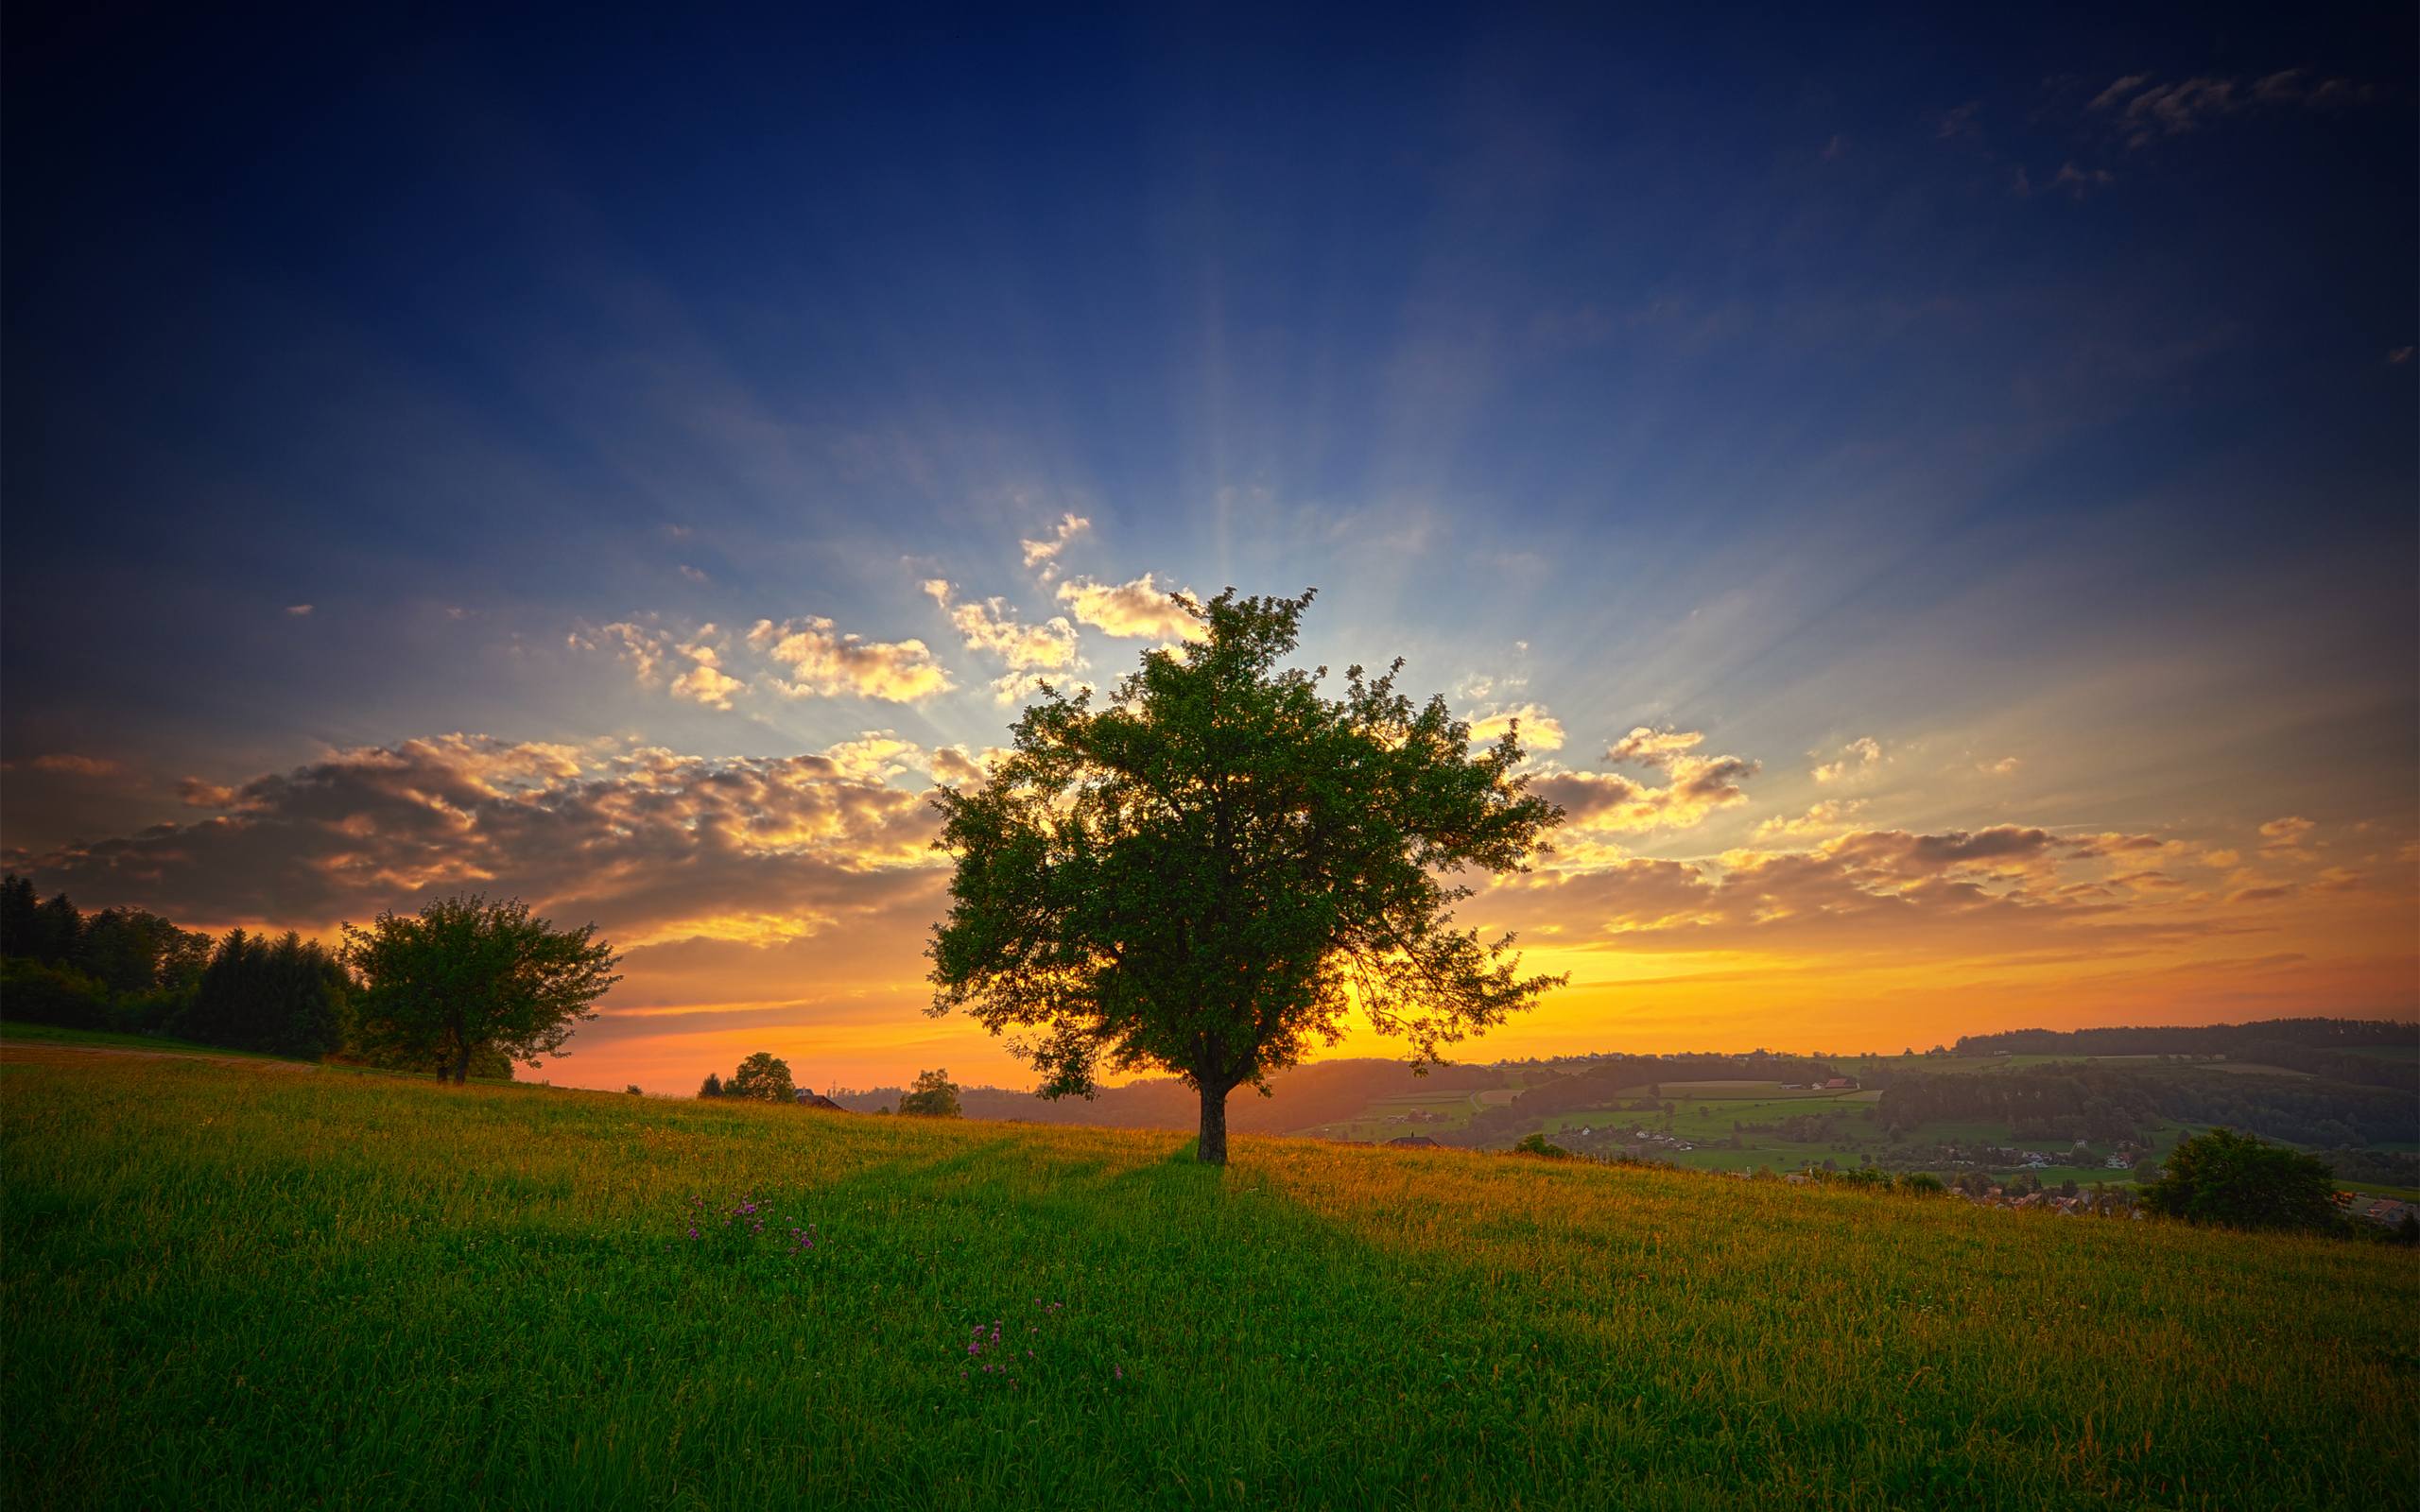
[[225, 1284]]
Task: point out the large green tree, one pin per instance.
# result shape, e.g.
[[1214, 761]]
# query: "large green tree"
[[2226, 1178], [466, 975], [764, 1077], [1208, 872]]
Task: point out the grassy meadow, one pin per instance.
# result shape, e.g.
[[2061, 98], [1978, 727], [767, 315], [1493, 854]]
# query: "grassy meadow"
[[231, 1284]]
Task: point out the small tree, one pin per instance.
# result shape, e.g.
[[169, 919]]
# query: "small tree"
[[1207, 874], [2226, 1178], [934, 1095], [633, 1088], [763, 1077], [465, 975], [713, 1085]]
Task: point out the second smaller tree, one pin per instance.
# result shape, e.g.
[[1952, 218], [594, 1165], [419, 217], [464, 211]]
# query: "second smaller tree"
[[934, 1095]]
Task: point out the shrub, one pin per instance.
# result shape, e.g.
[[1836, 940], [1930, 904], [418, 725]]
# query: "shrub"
[[36, 993], [1537, 1145]]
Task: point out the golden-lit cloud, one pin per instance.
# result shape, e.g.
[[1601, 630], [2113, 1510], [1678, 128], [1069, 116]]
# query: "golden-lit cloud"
[[1029, 651], [1857, 758], [2282, 838], [1043, 555], [1695, 786], [1819, 818], [1137, 610], [1540, 731], [824, 663]]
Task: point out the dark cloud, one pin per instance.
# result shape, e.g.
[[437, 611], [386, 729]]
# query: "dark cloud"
[[650, 845]]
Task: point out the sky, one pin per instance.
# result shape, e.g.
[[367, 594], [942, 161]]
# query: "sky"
[[1938, 489]]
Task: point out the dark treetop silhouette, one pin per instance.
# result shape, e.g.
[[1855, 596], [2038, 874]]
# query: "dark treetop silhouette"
[[1213, 869]]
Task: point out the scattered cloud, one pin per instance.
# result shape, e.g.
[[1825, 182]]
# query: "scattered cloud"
[[1819, 818], [705, 681], [825, 663], [299, 609], [1540, 731], [2074, 181], [693, 574], [69, 763], [1042, 557], [1140, 610], [2398, 356], [2005, 767], [655, 657], [2144, 110], [1857, 758], [2282, 839], [1696, 786], [1029, 651]]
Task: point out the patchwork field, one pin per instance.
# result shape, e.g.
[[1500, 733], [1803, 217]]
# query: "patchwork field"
[[228, 1284]]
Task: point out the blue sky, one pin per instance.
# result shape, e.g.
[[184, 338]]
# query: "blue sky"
[[2031, 394]]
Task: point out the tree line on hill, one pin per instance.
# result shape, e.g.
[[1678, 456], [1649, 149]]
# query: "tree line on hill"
[[2100, 1102], [2323, 1047], [765, 1078], [462, 988]]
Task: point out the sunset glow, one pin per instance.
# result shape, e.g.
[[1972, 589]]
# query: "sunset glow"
[[1959, 576]]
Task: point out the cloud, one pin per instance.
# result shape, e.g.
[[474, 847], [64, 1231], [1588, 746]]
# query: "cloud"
[[1819, 818], [653, 652], [2005, 767], [1540, 731], [652, 845], [2398, 357], [693, 574], [2143, 112], [1610, 802], [1857, 758], [1888, 893], [705, 681], [1654, 748], [1043, 555], [1028, 651], [69, 763], [2282, 839], [299, 609], [825, 664], [2077, 182], [1140, 610]]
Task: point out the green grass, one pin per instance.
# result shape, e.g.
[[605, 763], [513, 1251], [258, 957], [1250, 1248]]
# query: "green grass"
[[226, 1284]]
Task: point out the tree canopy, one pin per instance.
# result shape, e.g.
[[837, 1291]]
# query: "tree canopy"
[[934, 1095], [2226, 1178], [466, 975], [1208, 872], [764, 1077]]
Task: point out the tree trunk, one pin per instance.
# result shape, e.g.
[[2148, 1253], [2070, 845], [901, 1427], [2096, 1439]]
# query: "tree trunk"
[[1212, 1148], [461, 1065]]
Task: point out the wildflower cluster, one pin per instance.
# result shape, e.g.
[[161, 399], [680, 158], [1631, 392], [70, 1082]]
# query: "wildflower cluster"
[[741, 1228], [1002, 1358]]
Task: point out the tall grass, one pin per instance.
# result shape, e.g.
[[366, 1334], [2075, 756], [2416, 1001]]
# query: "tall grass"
[[229, 1286]]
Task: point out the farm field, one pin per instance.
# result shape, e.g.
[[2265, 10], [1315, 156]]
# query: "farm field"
[[230, 1285]]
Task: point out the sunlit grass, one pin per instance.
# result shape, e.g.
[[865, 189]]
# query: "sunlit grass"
[[225, 1284]]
